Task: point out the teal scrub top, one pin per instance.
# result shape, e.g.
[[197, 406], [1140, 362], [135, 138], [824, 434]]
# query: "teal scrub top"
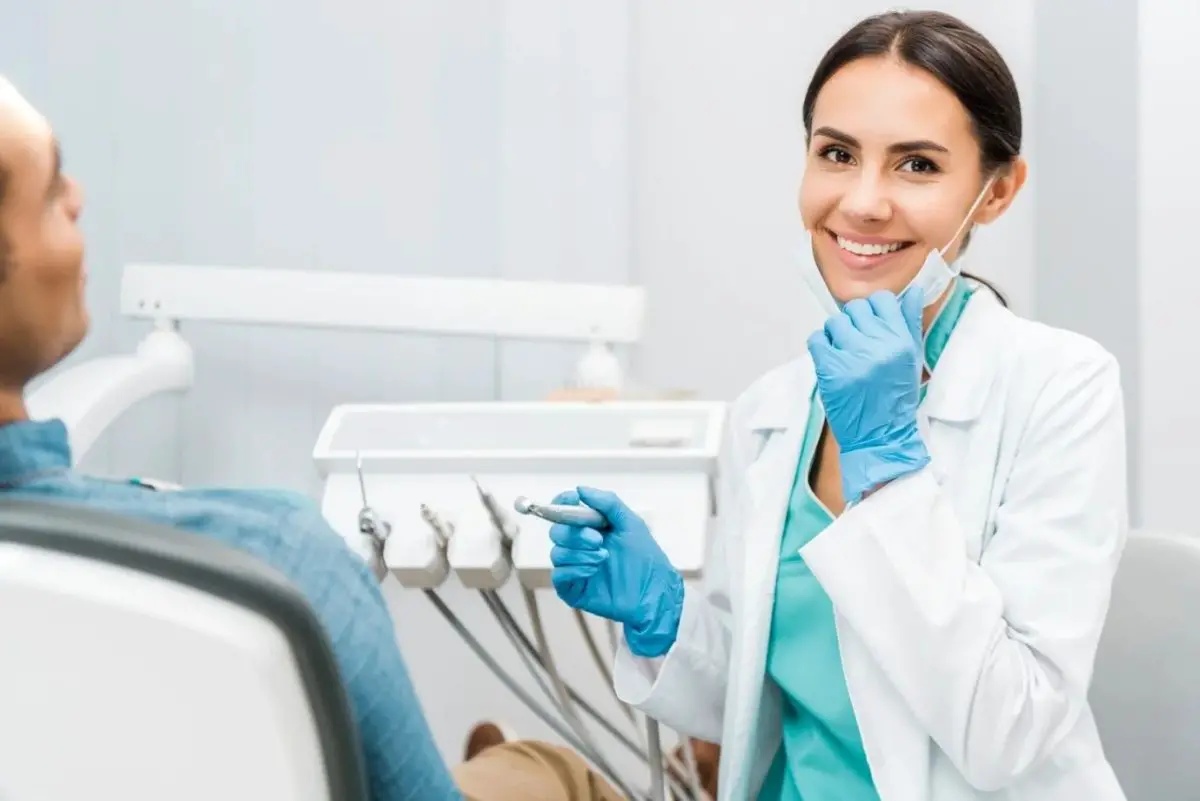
[[822, 757]]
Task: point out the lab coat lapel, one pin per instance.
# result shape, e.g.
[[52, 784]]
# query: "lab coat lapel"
[[779, 424], [957, 398], [964, 374]]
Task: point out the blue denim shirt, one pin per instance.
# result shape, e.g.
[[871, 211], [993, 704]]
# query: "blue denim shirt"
[[287, 531]]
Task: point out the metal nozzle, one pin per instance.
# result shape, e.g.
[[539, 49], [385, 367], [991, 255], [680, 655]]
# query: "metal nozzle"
[[584, 516]]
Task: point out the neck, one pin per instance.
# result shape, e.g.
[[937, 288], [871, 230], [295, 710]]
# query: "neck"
[[12, 406]]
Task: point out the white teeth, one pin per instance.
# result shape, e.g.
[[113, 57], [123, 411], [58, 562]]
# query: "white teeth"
[[859, 249]]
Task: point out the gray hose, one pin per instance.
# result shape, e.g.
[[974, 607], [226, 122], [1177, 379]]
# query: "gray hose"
[[513, 687]]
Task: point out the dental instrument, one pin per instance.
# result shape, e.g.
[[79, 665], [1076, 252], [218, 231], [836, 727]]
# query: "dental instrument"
[[373, 528], [582, 516], [507, 531], [441, 529]]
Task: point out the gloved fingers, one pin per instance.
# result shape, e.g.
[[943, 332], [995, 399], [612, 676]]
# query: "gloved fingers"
[[819, 346], [608, 504], [562, 577], [569, 589], [912, 309], [573, 557], [566, 498], [886, 307], [863, 315], [576, 537], [840, 331]]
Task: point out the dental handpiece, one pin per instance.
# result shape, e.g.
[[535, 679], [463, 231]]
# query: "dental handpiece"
[[557, 513]]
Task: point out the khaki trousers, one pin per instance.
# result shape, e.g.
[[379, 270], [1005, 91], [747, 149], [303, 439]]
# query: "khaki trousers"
[[531, 771]]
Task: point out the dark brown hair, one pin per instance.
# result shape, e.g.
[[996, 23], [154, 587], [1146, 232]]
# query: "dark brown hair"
[[954, 53]]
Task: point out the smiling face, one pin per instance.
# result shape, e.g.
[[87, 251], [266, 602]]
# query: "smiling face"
[[893, 168]]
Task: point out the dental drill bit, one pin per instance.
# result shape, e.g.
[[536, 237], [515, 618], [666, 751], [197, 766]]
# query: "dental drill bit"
[[372, 526], [558, 513]]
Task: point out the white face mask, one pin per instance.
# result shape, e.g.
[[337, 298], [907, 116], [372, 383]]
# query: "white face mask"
[[935, 275]]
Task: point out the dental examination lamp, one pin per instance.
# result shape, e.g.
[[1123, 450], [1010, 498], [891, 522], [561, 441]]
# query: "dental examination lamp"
[[144, 663]]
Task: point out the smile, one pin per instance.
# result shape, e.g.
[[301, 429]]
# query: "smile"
[[868, 248]]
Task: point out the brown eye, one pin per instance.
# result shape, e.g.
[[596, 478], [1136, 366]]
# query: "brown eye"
[[918, 164], [837, 155]]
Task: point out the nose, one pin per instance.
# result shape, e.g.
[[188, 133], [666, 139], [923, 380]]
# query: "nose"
[[866, 200], [74, 198]]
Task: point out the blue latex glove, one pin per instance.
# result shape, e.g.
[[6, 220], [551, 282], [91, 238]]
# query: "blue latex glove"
[[868, 362], [620, 574]]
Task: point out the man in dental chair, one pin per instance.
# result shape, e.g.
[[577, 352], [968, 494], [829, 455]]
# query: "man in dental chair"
[[42, 319]]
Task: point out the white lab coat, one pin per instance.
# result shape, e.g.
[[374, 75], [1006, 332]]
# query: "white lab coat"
[[969, 596]]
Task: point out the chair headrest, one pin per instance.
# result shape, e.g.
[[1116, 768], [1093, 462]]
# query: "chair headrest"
[[219, 570]]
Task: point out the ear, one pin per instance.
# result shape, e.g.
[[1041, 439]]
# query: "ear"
[[1004, 191]]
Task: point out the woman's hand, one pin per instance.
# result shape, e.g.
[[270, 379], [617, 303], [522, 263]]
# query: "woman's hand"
[[868, 360], [620, 574]]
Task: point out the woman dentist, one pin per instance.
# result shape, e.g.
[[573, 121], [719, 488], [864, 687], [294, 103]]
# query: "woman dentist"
[[921, 518]]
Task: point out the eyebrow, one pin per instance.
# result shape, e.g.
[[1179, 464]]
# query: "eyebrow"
[[899, 147]]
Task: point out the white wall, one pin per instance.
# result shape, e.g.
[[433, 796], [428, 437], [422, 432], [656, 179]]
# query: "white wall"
[[1169, 172], [719, 150]]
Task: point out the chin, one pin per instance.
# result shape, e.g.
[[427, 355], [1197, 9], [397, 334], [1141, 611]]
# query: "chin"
[[846, 284], [846, 288], [75, 337]]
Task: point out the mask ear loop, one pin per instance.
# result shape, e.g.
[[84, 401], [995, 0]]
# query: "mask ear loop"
[[962, 226], [970, 213]]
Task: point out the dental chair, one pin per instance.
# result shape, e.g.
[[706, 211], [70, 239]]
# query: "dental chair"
[[1146, 687], [142, 663]]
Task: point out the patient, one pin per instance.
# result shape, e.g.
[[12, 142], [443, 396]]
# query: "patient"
[[42, 319]]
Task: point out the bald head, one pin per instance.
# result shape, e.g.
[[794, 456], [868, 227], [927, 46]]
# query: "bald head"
[[19, 123], [15, 109]]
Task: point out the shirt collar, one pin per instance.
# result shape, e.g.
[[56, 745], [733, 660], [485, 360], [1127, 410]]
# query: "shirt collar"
[[32, 447], [945, 322]]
